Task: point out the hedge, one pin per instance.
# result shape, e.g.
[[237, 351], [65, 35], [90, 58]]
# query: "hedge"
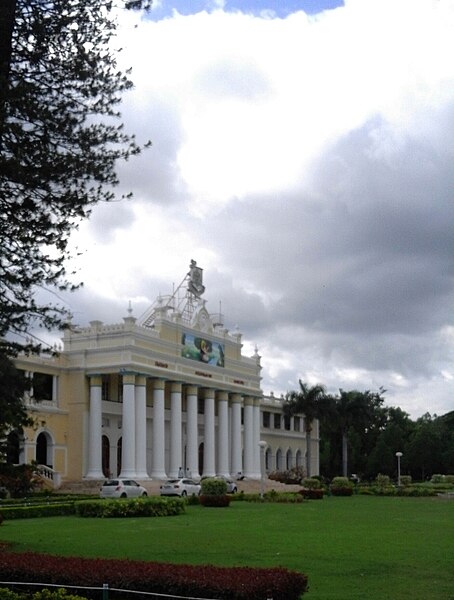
[[38, 510], [224, 583], [45, 594], [134, 507]]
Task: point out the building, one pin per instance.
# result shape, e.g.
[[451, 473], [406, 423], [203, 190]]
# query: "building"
[[170, 392]]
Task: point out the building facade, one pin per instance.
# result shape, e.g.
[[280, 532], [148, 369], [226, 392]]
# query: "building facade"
[[168, 393]]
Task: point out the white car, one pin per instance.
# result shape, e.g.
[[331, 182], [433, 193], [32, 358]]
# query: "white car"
[[122, 488], [180, 487]]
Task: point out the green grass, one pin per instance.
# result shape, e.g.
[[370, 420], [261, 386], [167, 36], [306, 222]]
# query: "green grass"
[[351, 548]]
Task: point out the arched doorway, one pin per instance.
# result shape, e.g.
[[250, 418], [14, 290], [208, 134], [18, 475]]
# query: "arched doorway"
[[119, 445], [268, 460], [13, 448], [201, 458], [44, 449], [105, 456]]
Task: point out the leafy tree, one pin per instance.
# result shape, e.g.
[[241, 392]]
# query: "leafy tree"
[[59, 143], [13, 415], [311, 402], [60, 140], [425, 448]]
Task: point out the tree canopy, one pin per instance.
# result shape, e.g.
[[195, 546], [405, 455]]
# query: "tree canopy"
[[60, 140]]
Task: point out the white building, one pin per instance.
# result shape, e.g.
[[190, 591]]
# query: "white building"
[[150, 397]]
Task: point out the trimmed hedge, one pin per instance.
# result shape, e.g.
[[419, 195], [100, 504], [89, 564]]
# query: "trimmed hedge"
[[133, 507], [271, 496], [311, 494], [38, 510], [224, 583], [214, 501]]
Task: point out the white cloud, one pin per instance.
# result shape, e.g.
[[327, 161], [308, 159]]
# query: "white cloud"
[[306, 164]]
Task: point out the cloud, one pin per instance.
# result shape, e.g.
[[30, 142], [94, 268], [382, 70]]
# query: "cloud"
[[305, 162]]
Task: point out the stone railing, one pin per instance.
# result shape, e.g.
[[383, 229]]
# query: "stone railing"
[[49, 475]]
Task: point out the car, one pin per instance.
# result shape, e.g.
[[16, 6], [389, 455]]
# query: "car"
[[180, 487], [231, 485], [122, 488]]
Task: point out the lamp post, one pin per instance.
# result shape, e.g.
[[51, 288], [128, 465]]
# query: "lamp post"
[[262, 445], [399, 455]]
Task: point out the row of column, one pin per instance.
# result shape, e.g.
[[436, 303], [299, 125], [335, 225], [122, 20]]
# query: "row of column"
[[229, 449]]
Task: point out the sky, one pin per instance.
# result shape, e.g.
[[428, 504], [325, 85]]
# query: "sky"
[[303, 156]]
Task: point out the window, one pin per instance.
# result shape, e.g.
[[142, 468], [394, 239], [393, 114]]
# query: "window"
[[277, 421], [105, 387], [266, 419], [297, 423], [42, 386], [287, 422]]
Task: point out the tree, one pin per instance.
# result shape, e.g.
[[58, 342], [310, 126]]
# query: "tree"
[[13, 415], [311, 402], [59, 143], [60, 140]]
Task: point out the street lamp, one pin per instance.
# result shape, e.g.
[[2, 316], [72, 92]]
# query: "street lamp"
[[262, 445], [399, 455]]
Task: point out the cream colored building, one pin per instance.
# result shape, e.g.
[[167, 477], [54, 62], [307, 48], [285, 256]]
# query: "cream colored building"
[[168, 393]]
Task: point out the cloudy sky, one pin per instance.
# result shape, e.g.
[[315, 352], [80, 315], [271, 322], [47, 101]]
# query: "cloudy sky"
[[303, 155]]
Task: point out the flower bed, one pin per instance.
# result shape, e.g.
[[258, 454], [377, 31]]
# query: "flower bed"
[[237, 583]]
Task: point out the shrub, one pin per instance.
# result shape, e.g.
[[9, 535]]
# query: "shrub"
[[438, 478], [405, 480], [211, 486], [292, 476], [215, 501], [235, 583], [38, 510], [449, 479], [312, 494], [342, 491], [18, 480], [383, 480], [341, 482], [311, 483], [133, 507]]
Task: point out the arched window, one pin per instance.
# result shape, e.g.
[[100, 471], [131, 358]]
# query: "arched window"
[[298, 459], [268, 460], [289, 459], [279, 465]]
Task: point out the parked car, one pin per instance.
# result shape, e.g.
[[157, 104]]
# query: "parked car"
[[231, 485], [122, 488], [180, 487]]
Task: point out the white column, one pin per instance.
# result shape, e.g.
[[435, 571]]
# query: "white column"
[[176, 455], [128, 445], [141, 427], [256, 413], [249, 464], [192, 431], [237, 463], [158, 469], [55, 388], [95, 430], [223, 434], [209, 457]]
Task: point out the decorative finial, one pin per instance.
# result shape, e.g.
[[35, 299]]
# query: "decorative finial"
[[130, 308]]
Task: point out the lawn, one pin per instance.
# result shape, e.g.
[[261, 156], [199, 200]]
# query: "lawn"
[[351, 548]]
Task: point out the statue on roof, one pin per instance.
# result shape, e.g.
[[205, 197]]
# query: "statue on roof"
[[195, 285]]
